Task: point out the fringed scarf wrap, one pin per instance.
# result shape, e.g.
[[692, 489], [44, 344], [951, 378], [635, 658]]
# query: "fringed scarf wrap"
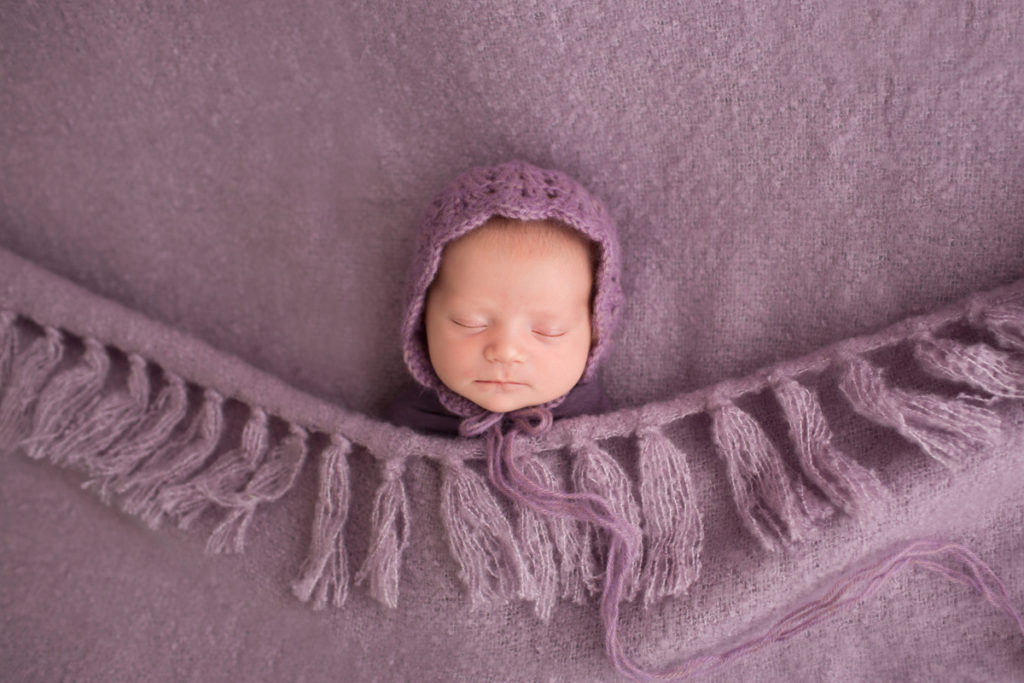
[[88, 385]]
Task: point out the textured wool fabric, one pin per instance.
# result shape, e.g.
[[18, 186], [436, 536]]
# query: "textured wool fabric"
[[249, 176]]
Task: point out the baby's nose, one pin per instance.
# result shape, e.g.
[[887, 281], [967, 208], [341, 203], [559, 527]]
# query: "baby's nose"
[[504, 348]]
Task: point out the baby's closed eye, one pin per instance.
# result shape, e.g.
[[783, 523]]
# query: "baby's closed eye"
[[470, 323]]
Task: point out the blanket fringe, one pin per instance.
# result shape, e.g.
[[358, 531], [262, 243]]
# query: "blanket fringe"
[[66, 398], [1005, 322], [848, 485], [673, 529], [481, 539], [174, 464], [540, 537], [228, 472], [29, 374], [146, 436], [773, 504], [8, 347], [595, 471], [271, 479], [389, 535], [947, 430], [323, 578], [102, 423], [995, 372]]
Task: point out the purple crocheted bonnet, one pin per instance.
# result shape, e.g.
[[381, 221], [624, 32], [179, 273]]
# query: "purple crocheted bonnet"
[[516, 190]]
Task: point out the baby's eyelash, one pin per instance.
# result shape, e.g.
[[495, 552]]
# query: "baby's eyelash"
[[550, 335], [468, 325]]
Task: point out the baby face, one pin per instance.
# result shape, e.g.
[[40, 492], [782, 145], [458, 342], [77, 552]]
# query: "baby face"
[[508, 316]]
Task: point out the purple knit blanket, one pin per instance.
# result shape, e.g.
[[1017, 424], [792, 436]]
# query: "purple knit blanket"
[[205, 217]]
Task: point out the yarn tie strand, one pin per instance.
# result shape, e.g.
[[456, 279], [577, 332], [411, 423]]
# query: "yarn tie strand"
[[478, 424], [507, 477], [950, 560]]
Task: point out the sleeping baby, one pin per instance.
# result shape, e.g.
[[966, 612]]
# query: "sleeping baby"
[[513, 297]]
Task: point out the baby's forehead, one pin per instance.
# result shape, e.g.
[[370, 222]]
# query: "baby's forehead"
[[545, 259]]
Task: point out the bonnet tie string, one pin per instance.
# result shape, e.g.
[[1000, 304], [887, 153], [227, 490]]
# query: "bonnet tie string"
[[505, 475]]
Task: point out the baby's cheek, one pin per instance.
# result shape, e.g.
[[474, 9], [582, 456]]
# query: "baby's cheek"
[[568, 364], [461, 356], [443, 355], [582, 350]]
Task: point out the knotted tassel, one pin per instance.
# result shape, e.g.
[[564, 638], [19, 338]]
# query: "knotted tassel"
[[28, 375], [389, 536], [174, 464], [324, 575], [993, 371], [1005, 322], [272, 478], [673, 529], [948, 430], [845, 483], [540, 536], [8, 347], [597, 473], [773, 504], [110, 418], [66, 399], [480, 538], [151, 432], [228, 473]]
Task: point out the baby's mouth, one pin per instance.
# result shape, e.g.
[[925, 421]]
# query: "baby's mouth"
[[500, 383]]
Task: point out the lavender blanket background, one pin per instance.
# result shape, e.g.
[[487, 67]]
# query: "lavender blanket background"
[[249, 174]]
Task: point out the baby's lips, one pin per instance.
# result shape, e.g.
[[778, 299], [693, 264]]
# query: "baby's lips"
[[501, 385]]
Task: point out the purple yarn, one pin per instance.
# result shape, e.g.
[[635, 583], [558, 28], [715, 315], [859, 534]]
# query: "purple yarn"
[[951, 560]]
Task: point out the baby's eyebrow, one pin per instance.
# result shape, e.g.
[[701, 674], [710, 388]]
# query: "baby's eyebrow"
[[548, 319], [470, 303], [463, 299], [561, 313]]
